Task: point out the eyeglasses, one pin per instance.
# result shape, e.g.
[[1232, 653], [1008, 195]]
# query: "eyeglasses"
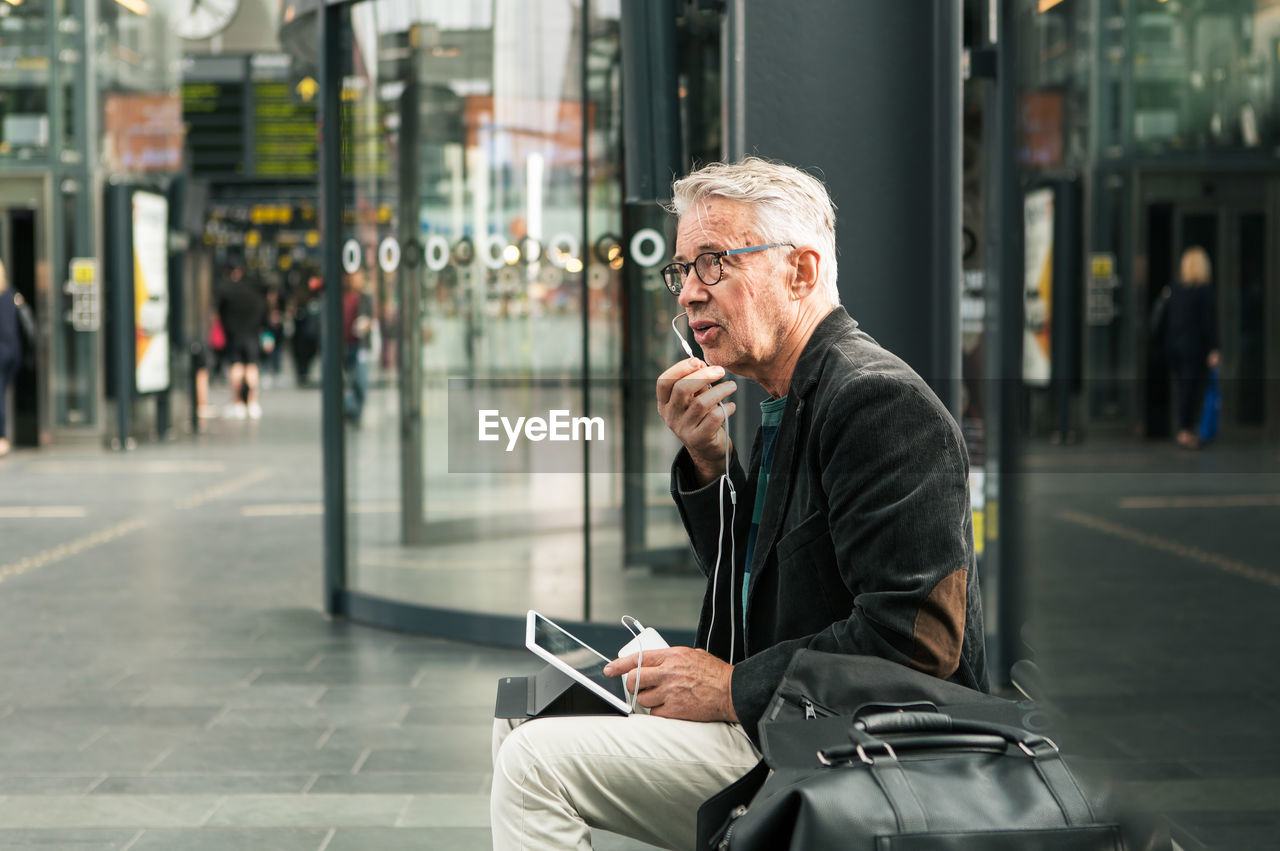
[[707, 266]]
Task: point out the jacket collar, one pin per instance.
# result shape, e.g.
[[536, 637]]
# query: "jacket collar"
[[782, 477], [809, 366]]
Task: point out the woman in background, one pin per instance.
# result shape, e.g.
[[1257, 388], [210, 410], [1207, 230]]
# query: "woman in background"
[[10, 350], [1191, 339]]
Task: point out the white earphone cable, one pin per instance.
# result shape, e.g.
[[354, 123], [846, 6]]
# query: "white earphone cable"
[[733, 517]]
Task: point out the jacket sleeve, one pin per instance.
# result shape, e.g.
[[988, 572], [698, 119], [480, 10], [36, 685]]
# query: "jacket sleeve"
[[700, 507], [894, 477]]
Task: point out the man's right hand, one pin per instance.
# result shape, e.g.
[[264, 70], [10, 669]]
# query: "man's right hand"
[[689, 402]]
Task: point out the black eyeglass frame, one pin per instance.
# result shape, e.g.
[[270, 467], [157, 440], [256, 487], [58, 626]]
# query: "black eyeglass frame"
[[674, 273]]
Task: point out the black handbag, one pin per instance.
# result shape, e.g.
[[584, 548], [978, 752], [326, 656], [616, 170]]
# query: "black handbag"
[[818, 684], [915, 781], [978, 771]]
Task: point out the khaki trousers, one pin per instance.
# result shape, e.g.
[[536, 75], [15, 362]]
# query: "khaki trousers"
[[639, 776]]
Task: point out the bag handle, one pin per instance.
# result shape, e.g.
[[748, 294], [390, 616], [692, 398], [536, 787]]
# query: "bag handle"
[[1042, 751], [1032, 744]]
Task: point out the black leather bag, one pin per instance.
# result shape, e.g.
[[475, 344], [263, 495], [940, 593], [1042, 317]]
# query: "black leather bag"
[[915, 781], [818, 684]]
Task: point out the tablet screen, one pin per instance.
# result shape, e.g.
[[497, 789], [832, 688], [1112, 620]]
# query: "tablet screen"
[[575, 654]]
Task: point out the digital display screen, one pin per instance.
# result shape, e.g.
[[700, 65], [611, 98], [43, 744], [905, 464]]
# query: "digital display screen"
[[577, 655], [285, 142], [214, 113]]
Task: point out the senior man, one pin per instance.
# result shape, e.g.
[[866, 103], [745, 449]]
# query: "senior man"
[[851, 531]]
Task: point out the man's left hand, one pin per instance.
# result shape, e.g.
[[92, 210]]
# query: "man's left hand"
[[679, 682]]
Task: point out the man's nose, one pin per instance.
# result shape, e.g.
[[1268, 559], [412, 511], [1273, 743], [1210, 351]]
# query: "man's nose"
[[692, 290]]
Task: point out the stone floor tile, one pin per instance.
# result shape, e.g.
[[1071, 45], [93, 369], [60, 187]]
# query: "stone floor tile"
[[443, 756], [47, 784], [340, 716], [256, 696], [215, 759], [203, 784], [309, 811], [401, 783], [105, 811], [446, 811], [472, 737], [232, 839], [65, 840], [412, 839]]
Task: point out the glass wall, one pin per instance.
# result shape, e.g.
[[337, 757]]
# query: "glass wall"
[[1163, 116], [484, 238], [87, 93]]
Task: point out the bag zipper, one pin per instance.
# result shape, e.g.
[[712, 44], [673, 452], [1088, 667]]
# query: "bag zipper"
[[737, 813], [811, 708]]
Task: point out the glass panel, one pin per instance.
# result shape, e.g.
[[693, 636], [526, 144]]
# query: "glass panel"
[[492, 290], [25, 131], [640, 558], [495, 203], [1250, 367]]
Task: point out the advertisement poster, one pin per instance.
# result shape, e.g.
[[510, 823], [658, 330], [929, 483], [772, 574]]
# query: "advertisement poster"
[[143, 132], [151, 291], [1038, 287]]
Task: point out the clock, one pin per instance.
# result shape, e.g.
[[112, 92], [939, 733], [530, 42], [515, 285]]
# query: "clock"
[[196, 19]]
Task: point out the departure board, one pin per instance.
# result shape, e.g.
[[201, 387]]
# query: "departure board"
[[214, 114], [285, 143]]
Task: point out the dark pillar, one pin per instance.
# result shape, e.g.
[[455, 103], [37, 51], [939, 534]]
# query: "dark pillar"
[[651, 133], [866, 95], [330, 19], [1003, 568]]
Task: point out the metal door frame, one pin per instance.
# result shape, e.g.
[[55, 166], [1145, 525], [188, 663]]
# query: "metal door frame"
[[33, 190], [1227, 196]]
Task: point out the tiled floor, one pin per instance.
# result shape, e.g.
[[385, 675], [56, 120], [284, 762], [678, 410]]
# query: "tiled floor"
[[1156, 616], [167, 679]]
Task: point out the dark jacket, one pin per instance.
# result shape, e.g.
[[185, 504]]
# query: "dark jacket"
[[866, 541], [1191, 318], [242, 308]]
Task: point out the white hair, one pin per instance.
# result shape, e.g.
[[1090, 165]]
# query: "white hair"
[[789, 205]]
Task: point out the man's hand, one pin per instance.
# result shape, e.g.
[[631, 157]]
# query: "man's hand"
[[689, 402], [679, 682]]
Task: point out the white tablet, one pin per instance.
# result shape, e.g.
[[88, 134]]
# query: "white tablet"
[[579, 660]]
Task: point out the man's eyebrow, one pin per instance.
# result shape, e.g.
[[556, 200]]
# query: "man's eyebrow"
[[702, 249]]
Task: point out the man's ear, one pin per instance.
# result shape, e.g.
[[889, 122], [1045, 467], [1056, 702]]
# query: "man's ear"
[[807, 262]]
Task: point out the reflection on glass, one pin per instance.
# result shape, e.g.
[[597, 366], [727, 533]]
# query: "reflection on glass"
[[463, 129]]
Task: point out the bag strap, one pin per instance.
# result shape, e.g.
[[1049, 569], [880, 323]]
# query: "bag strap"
[[889, 776], [1062, 785]]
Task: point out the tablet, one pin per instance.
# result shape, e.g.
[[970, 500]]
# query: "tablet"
[[583, 663]]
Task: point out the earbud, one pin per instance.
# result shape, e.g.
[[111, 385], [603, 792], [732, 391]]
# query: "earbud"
[[684, 344]]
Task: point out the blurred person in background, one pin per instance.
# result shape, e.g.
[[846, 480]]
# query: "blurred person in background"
[[242, 307], [1191, 339], [306, 328], [357, 340], [11, 349], [272, 338]]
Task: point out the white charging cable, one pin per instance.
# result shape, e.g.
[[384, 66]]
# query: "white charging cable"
[[635, 633], [733, 517]]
